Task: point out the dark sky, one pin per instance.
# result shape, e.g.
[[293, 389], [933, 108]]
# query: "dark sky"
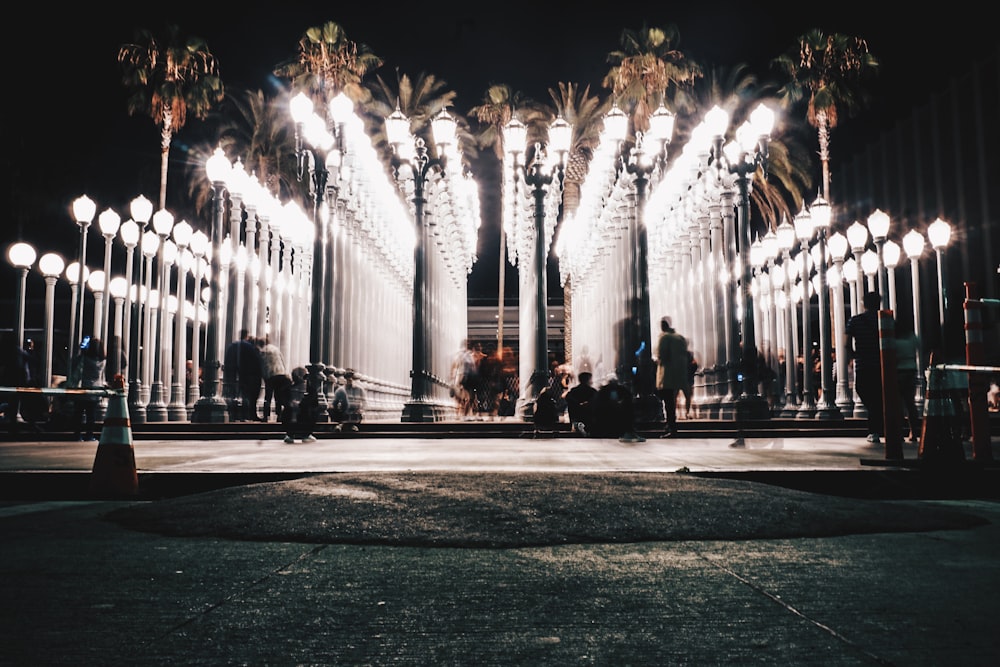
[[65, 130]]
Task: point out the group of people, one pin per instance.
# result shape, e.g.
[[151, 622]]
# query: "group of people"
[[608, 410], [480, 382], [251, 364]]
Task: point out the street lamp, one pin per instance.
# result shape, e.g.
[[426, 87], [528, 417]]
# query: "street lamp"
[[826, 408], [108, 222], [149, 246], [199, 248], [21, 256], [743, 157], [412, 153], [177, 410], [804, 232], [76, 285], [84, 209], [129, 232], [857, 237], [785, 234], [939, 233], [913, 244], [96, 282], [890, 259], [156, 410], [648, 154], [51, 265], [539, 177], [211, 407], [837, 245], [117, 290], [141, 210], [878, 224], [870, 267]]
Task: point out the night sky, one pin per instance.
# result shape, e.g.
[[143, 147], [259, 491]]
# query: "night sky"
[[66, 131]]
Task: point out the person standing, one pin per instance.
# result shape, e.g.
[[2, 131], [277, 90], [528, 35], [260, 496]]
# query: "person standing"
[[862, 331], [275, 377], [300, 408], [92, 359], [243, 374], [672, 364]]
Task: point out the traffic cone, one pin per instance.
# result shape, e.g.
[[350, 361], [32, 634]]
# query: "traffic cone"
[[114, 473], [937, 442]]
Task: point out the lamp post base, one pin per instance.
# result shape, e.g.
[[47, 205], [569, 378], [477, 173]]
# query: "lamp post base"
[[828, 411], [209, 410], [746, 407], [136, 408], [420, 411]]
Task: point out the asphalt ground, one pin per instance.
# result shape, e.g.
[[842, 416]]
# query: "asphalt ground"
[[547, 551]]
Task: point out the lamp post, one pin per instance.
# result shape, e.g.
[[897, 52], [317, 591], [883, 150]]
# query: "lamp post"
[[117, 291], [878, 224], [156, 410], [785, 234], [108, 222], [320, 162], [804, 232], [857, 237], [77, 278], [149, 246], [890, 259], [96, 282], [939, 233], [199, 248], [412, 153], [743, 157], [826, 408], [141, 210], [129, 232], [870, 267], [21, 256], [913, 244], [51, 265], [84, 209], [177, 410], [539, 177], [648, 154], [837, 245], [211, 407]]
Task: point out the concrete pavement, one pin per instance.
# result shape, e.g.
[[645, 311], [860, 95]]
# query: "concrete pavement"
[[275, 573]]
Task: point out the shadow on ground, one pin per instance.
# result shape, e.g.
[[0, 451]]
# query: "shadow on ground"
[[498, 510]]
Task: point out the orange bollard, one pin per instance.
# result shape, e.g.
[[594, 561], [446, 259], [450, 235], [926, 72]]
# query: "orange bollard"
[[975, 355], [114, 473], [891, 409]]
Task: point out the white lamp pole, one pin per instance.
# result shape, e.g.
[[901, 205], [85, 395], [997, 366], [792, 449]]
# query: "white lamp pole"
[[939, 233], [804, 232], [890, 259], [177, 410], [108, 222], [878, 225], [199, 247], [156, 410], [826, 408], [913, 244], [786, 241], [84, 209], [837, 245], [51, 265], [21, 256]]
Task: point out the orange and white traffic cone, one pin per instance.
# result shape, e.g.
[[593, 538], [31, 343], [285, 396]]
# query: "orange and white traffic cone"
[[114, 473], [937, 440]]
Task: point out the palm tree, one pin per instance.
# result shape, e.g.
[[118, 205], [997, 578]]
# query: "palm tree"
[[419, 99], [828, 70], [255, 127], [738, 91], [649, 69], [329, 63], [168, 79]]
